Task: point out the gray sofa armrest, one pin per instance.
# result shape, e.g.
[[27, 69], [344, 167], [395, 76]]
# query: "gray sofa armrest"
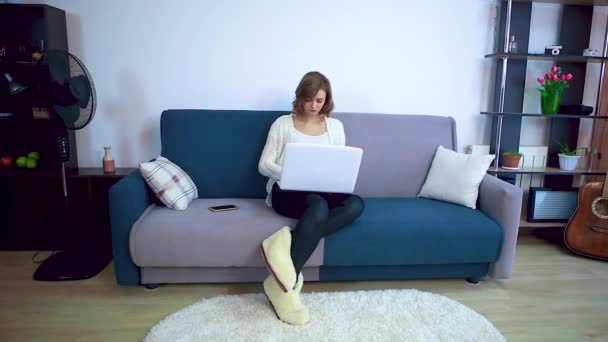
[[129, 198], [501, 201]]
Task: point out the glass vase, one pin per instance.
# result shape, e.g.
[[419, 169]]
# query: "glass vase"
[[108, 161], [550, 101]]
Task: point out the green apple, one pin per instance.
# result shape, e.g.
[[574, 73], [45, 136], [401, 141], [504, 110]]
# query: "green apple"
[[31, 163], [20, 162], [34, 155]]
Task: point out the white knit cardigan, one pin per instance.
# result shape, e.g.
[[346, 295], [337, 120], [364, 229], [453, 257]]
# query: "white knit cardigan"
[[280, 132]]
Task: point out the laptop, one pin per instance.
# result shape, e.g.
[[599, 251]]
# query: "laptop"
[[320, 168]]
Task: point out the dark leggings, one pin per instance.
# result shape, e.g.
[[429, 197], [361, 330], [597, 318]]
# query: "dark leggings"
[[320, 214]]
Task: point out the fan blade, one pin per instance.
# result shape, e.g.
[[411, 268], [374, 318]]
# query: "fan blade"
[[61, 95], [69, 114], [59, 66], [81, 90]]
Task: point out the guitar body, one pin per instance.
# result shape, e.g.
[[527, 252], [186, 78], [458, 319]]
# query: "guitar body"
[[587, 230]]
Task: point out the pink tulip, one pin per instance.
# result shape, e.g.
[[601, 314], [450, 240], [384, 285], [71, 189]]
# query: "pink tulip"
[[554, 69], [540, 80], [555, 77], [569, 77], [548, 76], [563, 77]]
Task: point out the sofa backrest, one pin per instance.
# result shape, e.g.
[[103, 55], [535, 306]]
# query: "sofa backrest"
[[220, 149], [397, 150]]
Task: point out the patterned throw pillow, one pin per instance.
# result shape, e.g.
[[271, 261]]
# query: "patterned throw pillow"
[[169, 182]]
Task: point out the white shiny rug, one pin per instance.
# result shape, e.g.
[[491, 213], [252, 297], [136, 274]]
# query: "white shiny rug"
[[383, 315]]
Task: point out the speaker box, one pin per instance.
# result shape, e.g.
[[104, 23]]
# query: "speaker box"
[[547, 205]]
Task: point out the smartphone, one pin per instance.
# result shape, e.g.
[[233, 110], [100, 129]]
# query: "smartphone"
[[223, 207]]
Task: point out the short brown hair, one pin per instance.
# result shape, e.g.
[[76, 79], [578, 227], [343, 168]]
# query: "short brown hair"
[[309, 86]]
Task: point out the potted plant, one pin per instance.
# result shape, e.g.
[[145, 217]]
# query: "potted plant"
[[510, 159], [552, 87], [568, 158]]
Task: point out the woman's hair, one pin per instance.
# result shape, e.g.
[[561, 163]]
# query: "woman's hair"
[[309, 86]]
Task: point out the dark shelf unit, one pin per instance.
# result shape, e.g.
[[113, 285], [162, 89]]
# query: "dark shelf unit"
[[32, 199], [569, 2], [545, 116], [22, 29], [559, 58], [544, 171], [27, 64], [507, 111]]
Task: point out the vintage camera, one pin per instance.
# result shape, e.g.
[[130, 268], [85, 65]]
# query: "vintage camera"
[[554, 50], [589, 53]]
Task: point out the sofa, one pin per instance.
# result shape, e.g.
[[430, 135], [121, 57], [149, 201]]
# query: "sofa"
[[398, 236]]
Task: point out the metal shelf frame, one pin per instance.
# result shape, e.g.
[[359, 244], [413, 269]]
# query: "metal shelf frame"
[[505, 56]]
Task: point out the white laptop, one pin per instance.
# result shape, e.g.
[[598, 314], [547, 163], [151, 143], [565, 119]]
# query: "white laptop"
[[320, 168]]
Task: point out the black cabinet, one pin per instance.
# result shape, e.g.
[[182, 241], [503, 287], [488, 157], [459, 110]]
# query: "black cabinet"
[[35, 216], [62, 222], [20, 227]]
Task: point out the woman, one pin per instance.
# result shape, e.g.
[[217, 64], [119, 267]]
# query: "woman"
[[318, 214]]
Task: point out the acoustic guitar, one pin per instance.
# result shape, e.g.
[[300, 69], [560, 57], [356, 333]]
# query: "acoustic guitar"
[[587, 230]]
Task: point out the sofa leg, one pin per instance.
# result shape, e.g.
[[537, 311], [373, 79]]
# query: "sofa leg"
[[473, 280], [151, 286]]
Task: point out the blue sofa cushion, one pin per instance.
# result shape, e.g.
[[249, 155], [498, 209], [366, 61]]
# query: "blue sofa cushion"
[[218, 149], [402, 231]]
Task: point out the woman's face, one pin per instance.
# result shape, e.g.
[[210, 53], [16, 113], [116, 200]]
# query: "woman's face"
[[313, 106]]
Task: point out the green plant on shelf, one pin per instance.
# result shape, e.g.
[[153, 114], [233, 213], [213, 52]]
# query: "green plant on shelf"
[[512, 153], [565, 149]]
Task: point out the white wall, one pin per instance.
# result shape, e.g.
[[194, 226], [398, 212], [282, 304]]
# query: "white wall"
[[400, 57], [407, 57]]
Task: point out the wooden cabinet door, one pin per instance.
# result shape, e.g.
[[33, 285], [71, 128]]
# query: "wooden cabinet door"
[[19, 214], [65, 224]]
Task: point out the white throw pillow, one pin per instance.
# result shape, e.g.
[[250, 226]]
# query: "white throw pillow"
[[169, 182], [455, 177]]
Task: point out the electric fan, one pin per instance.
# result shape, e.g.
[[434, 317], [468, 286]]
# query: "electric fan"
[[72, 96]]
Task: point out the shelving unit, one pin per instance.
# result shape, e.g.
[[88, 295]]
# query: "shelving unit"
[[544, 171], [570, 2], [505, 56], [25, 29], [546, 116], [507, 112], [543, 57], [523, 223]]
